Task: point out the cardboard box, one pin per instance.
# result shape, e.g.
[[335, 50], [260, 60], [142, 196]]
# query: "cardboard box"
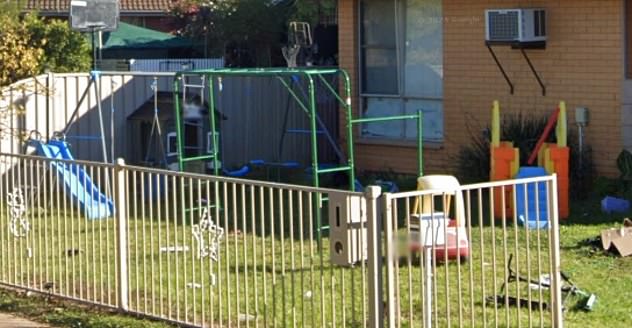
[[618, 239]]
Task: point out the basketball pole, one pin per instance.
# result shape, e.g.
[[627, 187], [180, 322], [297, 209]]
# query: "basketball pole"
[[94, 51]]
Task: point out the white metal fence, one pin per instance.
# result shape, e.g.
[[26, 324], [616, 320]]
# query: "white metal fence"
[[455, 258], [221, 252]]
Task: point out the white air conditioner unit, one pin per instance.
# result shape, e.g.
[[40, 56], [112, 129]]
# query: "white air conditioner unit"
[[515, 25]]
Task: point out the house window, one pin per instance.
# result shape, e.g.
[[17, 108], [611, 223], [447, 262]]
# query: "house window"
[[401, 57]]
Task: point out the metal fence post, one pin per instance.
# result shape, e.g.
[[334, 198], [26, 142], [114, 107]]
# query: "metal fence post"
[[387, 216], [556, 281], [121, 220], [374, 250]]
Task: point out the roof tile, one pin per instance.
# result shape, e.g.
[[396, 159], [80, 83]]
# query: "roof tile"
[[126, 5]]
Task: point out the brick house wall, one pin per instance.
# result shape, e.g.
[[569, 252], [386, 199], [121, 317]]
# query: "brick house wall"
[[583, 64]]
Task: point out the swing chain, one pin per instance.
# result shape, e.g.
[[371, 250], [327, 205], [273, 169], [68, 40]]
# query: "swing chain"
[[154, 85]]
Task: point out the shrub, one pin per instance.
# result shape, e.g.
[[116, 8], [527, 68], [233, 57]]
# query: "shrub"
[[473, 162], [18, 57], [524, 131], [31, 45], [64, 50]]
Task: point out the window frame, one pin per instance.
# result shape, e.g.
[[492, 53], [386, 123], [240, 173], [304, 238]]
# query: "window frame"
[[400, 42]]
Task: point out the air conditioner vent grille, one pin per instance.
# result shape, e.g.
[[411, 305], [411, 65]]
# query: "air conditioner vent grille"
[[503, 26]]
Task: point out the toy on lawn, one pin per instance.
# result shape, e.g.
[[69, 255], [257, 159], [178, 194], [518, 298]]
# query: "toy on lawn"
[[586, 300], [208, 236], [552, 158], [18, 226], [431, 229]]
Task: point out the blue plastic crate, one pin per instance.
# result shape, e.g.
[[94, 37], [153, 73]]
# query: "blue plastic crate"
[[614, 205]]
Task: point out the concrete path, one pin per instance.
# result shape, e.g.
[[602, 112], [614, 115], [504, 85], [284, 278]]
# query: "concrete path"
[[11, 321]]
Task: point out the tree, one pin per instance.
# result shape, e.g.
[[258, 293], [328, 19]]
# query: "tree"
[[311, 11], [30, 45], [247, 32], [65, 50], [18, 57]]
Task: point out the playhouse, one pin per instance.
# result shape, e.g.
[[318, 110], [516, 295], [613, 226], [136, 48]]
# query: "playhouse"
[[552, 158]]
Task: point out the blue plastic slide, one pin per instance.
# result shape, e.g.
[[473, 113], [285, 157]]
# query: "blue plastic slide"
[[93, 203]]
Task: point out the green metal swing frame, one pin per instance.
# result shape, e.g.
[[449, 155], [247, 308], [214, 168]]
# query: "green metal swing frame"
[[285, 75]]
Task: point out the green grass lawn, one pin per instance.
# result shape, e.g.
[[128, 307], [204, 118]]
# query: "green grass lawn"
[[274, 273], [609, 277]]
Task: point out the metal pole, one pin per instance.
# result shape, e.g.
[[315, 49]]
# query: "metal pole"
[[314, 134], [211, 115], [319, 122], [112, 142], [121, 217], [420, 142], [94, 52], [349, 114], [104, 150], [374, 258], [556, 280], [428, 270], [390, 260], [176, 100], [83, 97]]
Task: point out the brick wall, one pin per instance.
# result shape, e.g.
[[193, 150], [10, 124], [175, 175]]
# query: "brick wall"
[[583, 65], [348, 49]]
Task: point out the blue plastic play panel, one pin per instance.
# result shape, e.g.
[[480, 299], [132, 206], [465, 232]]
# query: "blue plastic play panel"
[[532, 207]]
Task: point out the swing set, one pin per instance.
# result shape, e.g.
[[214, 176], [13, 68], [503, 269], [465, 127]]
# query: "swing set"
[[306, 101]]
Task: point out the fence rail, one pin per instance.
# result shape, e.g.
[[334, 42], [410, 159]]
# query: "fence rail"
[[192, 249], [221, 252], [466, 266]]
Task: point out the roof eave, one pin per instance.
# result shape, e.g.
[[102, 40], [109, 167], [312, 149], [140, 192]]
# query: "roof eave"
[[122, 13]]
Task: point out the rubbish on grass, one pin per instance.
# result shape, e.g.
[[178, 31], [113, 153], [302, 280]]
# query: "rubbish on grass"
[[244, 317], [194, 285], [174, 249], [617, 240]]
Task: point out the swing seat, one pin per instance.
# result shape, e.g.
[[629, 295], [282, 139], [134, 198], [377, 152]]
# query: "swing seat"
[[287, 165], [243, 171]]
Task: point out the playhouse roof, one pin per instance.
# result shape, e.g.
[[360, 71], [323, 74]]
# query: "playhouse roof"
[[146, 111], [165, 109]]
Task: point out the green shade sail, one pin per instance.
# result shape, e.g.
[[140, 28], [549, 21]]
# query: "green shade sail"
[[130, 36]]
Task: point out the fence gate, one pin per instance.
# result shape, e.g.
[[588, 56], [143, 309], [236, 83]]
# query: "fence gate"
[[472, 256], [219, 252]]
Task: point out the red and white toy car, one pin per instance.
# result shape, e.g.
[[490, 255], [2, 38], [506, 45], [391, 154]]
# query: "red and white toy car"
[[435, 230]]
